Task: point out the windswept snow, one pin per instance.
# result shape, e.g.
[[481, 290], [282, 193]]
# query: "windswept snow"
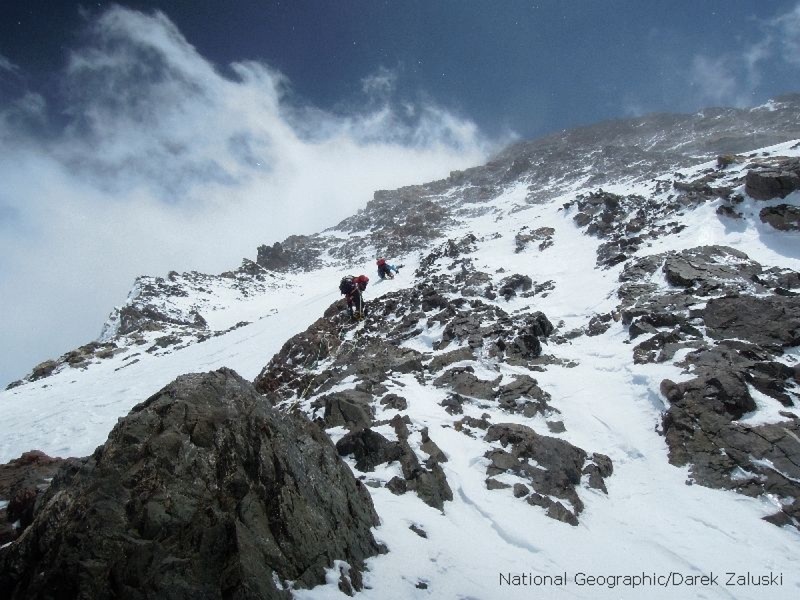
[[654, 520]]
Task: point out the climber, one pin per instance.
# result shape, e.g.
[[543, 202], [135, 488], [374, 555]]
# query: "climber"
[[385, 269], [352, 288]]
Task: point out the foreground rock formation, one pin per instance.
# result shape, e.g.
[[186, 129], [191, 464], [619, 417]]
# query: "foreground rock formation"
[[202, 491]]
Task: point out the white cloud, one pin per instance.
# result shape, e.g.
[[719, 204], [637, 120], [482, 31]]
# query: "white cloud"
[[7, 65], [169, 164], [733, 76]]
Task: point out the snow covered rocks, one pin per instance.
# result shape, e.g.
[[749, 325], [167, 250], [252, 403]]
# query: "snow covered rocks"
[[201, 491], [731, 321]]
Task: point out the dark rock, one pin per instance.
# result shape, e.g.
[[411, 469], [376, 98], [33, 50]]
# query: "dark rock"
[[527, 343], [296, 252], [726, 210], [558, 471], [494, 484], [22, 481], [394, 401], [706, 264], [418, 530], [430, 448], [521, 490], [350, 408], [509, 286], [769, 184], [151, 513], [771, 321], [440, 361], [463, 382], [599, 324], [783, 217], [369, 448], [523, 395], [397, 485]]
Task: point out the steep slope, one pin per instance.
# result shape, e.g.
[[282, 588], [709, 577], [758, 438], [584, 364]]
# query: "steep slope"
[[542, 387]]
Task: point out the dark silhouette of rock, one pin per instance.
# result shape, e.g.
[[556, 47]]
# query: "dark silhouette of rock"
[[202, 491], [784, 217], [369, 448]]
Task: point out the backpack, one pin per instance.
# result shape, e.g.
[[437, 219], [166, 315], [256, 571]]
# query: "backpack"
[[346, 285]]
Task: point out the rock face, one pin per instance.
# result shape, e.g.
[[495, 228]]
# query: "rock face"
[[736, 318], [202, 491], [22, 481]]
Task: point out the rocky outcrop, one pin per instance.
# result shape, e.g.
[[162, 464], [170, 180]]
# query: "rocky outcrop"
[[552, 467], [783, 217], [775, 180], [736, 318], [295, 252], [201, 491]]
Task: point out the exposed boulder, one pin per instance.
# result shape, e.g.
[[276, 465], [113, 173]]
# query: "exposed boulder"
[[778, 182], [349, 408], [369, 448], [202, 491], [707, 265], [784, 217]]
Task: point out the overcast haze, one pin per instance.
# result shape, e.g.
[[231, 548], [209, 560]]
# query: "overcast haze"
[[138, 141]]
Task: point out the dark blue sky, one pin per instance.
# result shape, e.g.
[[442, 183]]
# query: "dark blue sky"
[[525, 66]]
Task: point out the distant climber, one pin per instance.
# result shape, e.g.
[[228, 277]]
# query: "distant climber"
[[385, 269], [352, 288]]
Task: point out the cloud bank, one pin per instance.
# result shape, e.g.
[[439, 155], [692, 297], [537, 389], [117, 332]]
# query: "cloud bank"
[[157, 160]]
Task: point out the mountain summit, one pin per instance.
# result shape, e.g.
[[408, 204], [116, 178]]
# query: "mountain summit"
[[583, 381]]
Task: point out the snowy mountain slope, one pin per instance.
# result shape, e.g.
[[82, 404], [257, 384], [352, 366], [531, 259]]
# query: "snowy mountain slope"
[[432, 340]]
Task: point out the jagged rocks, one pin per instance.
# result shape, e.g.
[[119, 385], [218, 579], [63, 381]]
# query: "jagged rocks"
[[707, 265], [553, 467], [526, 345], [203, 490], [511, 285], [463, 381], [783, 217], [296, 252], [701, 430], [523, 395], [737, 317]]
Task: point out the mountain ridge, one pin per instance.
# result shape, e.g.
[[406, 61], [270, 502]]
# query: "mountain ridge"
[[554, 371]]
